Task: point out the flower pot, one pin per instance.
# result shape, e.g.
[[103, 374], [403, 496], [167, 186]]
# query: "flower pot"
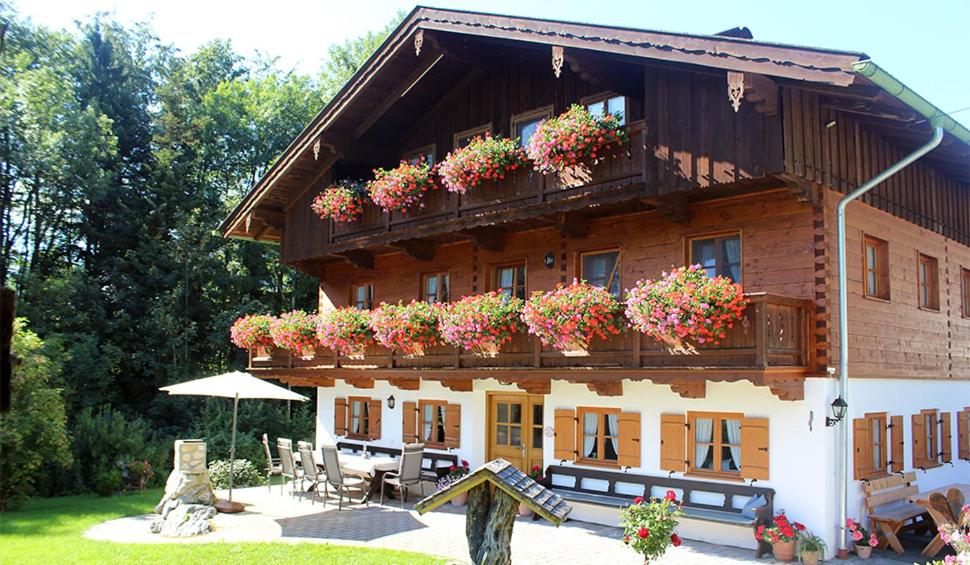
[[784, 550], [460, 500], [811, 557], [863, 551], [524, 510]]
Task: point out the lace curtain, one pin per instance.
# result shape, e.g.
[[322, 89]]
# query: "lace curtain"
[[703, 436], [734, 436], [590, 429]]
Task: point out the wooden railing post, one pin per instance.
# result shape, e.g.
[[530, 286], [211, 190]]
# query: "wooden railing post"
[[536, 352], [637, 345], [761, 334]]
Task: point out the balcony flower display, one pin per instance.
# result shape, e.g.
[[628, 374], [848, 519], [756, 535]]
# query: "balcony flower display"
[[481, 323], [346, 330], [685, 304], [569, 317], [648, 525], [782, 535], [483, 159], [402, 187], [573, 137], [252, 332], [341, 202], [295, 331], [408, 328]]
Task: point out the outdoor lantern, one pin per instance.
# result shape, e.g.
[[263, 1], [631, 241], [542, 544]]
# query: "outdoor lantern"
[[390, 402], [839, 408], [549, 260]]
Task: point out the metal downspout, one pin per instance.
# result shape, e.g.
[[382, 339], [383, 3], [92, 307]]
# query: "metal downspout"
[[843, 321]]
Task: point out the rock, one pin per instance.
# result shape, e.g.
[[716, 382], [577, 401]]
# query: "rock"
[[182, 519], [189, 488]]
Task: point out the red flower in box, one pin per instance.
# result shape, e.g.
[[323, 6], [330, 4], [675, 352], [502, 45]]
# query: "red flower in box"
[[252, 332], [341, 202], [481, 323], [573, 137], [483, 159], [401, 187], [569, 317], [346, 330], [296, 331], [408, 328], [780, 530]]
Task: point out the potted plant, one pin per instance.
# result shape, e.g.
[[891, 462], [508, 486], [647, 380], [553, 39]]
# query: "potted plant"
[[481, 323], [483, 159], [346, 330], [251, 332], [402, 187], [535, 473], [863, 539], [782, 535], [455, 473], [811, 548], [295, 331], [573, 137], [648, 525], [343, 201], [685, 305], [569, 317], [408, 328]]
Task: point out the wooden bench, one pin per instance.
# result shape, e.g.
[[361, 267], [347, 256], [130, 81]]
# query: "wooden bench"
[[890, 511], [429, 464]]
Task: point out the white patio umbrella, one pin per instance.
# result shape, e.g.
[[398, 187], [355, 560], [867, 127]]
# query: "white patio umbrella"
[[235, 385]]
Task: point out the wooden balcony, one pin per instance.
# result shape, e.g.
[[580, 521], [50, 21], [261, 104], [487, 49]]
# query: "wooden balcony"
[[769, 346]]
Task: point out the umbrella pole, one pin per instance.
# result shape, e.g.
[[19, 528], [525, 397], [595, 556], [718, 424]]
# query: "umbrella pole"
[[232, 445]]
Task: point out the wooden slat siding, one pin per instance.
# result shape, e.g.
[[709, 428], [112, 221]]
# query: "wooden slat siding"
[[629, 433], [340, 416], [565, 430], [409, 423], [946, 438], [673, 442], [755, 452], [898, 439], [374, 414], [453, 425], [861, 448], [963, 434]]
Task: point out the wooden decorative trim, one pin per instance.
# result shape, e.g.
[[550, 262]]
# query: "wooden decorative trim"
[[606, 388], [405, 383], [690, 389]]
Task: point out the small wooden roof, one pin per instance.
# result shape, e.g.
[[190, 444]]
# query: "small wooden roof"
[[514, 482]]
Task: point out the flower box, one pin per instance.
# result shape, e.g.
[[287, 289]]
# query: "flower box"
[[408, 328], [252, 332], [568, 318], [481, 323], [484, 159], [341, 202], [295, 331], [347, 331], [575, 136], [401, 188]]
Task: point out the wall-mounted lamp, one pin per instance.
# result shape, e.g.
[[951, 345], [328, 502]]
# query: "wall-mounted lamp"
[[390, 402], [839, 408], [549, 260]]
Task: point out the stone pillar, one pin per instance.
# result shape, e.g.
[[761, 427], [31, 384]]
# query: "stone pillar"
[[187, 507]]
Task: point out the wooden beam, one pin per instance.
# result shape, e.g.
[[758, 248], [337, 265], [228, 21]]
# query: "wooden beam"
[[420, 249], [490, 238], [271, 217], [804, 190], [674, 207], [399, 92], [358, 258], [447, 98]]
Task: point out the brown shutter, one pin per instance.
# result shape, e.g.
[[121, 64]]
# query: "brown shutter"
[[374, 414], [339, 416], [754, 448], [898, 444], [946, 438], [861, 448], [453, 425], [629, 432], [673, 442], [919, 432], [963, 433], [565, 444], [409, 428]]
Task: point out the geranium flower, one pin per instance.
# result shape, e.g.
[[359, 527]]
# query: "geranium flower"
[[346, 330], [643, 533], [638, 500], [252, 332], [671, 495], [675, 540], [484, 159], [856, 535], [343, 201], [572, 137], [296, 331], [402, 187]]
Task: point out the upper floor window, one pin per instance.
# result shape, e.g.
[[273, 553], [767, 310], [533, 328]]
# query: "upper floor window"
[[425, 154], [510, 280], [929, 282], [608, 104], [718, 255], [965, 282], [600, 434], [602, 269], [524, 125], [462, 138], [363, 296], [435, 287], [876, 263]]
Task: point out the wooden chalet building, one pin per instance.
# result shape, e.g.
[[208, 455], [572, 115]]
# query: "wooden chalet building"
[[739, 152]]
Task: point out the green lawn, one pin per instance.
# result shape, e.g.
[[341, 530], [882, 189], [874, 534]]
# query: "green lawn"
[[50, 531]]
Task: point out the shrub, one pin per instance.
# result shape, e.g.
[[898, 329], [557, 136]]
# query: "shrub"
[[244, 474], [483, 159], [569, 317], [252, 332], [648, 526], [482, 323], [346, 330], [108, 482], [572, 137], [341, 202], [402, 187], [408, 328], [295, 331]]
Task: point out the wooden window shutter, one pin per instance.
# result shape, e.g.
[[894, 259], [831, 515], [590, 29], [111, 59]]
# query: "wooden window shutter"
[[629, 431], [565, 445], [919, 432], [453, 425], [409, 427], [673, 442], [898, 439], [963, 434], [339, 416], [861, 448], [946, 438], [374, 415], [755, 456]]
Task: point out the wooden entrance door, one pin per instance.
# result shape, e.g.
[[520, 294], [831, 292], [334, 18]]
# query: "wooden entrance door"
[[515, 427]]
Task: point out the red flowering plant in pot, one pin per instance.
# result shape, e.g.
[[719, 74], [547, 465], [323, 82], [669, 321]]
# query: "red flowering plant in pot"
[[343, 201], [481, 323], [863, 539], [408, 328], [685, 305], [252, 332], [648, 525], [569, 317], [573, 137], [295, 331], [782, 535], [455, 473], [346, 330], [402, 187], [483, 159]]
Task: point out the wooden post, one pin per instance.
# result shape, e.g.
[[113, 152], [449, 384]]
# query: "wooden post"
[[476, 518], [496, 546]]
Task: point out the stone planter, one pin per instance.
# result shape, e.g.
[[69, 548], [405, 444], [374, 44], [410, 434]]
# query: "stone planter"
[[863, 551], [784, 551], [811, 557], [524, 510], [460, 499]]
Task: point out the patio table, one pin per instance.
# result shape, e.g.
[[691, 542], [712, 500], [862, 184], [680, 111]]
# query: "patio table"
[[923, 499], [371, 469]]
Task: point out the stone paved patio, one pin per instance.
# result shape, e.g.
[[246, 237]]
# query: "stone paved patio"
[[271, 516]]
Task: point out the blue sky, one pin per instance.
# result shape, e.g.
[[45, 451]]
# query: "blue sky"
[[925, 44]]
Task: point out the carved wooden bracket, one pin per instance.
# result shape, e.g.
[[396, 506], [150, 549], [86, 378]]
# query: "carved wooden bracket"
[[360, 382], [606, 388], [788, 390], [757, 89], [457, 385], [272, 218], [570, 224], [358, 258], [735, 84], [418, 41], [306, 380], [420, 249], [488, 238], [557, 59], [804, 190], [405, 383], [534, 386], [316, 150], [690, 389]]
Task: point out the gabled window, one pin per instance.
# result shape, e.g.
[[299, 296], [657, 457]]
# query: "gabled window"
[[435, 287], [602, 269], [362, 296], [965, 287], [876, 267], [600, 434], [524, 125], [718, 255], [462, 138], [603, 104], [928, 277], [510, 280], [425, 154]]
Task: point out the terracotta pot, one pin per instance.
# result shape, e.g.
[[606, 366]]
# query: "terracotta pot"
[[811, 557], [524, 510], [863, 551], [784, 550], [460, 500]]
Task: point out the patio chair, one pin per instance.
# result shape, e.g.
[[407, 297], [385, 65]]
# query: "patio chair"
[[312, 473], [409, 472], [289, 470], [273, 466], [336, 478]]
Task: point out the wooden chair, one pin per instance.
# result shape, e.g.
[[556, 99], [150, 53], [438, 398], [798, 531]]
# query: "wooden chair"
[[409, 472], [273, 465], [889, 510]]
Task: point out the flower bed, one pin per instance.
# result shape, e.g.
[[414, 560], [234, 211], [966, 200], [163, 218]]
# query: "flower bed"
[[483, 159], [685, 304], [346, 330], [572, 137], [407, 328], [569, 317], [481, 323], [295, 331], [402, 187], [252, 332], [648, 525], [341, 202]]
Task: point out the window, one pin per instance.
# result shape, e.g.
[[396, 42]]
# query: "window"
[[714, 442], [871, 453], [359, 417], [510, 280], [965, 284], [435, 288], [608, 104], [602, 269], [524, 125], [363, 296], [876, 265], [719, 255], [928, 282], [600, 437], [537, 426], [926, 445], [433, 422], [462, 138], [425, 153]]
